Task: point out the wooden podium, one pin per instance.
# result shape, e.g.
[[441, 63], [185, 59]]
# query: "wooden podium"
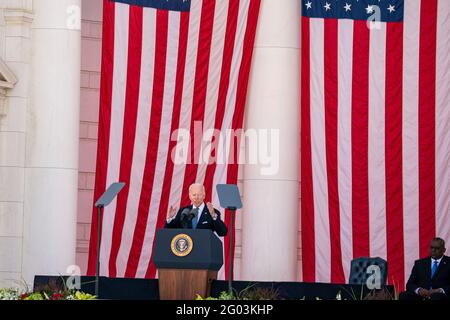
[[187, 262]]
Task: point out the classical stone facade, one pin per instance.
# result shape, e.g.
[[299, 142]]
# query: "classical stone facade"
[[40, 46], [15, 56], [7, 82]]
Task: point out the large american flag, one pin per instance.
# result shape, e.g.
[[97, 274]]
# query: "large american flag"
[[375, 133], [167, 65]]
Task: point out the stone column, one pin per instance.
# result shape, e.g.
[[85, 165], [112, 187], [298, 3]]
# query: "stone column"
[[270, 217], [15, 62], [51, 160]]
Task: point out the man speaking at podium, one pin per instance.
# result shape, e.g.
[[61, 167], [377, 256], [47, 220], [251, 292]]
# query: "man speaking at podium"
[[198, 215]]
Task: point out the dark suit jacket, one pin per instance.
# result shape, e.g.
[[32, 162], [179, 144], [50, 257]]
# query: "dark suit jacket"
[[421, 275], [206, 222]]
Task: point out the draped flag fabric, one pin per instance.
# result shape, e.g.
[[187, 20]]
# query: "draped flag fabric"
[[169, 67], [375, 133]]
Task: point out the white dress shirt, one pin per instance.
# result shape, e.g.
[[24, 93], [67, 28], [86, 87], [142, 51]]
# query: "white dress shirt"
[[200, 210]]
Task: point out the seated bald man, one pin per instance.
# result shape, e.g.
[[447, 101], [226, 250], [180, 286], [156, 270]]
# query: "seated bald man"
[[430, 277], [198, 215]]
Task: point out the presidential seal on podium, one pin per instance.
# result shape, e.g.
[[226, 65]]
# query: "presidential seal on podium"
[[181, 245]]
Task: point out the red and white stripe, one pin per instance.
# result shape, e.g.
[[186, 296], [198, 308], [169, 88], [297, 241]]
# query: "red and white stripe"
[[442, 121], [410, 136], [375, 141], [344, 143], [161, 72]]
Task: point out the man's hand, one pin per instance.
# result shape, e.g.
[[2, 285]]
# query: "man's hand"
[[171, 213], [424, 293], [435, 291], [211, 210]]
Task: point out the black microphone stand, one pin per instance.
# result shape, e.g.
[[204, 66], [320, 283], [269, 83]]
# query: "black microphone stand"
[[99, 234], [101, 203], [230, 257], [230, 199]]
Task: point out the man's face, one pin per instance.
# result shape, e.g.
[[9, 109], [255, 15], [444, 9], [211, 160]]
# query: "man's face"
[[437, 249], [196, 195]]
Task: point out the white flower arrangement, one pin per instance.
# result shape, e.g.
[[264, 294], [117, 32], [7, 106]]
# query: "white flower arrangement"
[[9, 294]]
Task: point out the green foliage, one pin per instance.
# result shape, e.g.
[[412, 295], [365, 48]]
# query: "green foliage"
[[259, 293], [9, 294], [224, 295], [81, 296], [45, 293], [199, 297], [252, 292], [33, 296]]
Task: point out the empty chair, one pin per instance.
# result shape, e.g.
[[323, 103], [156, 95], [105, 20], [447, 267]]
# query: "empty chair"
[[364, 267]]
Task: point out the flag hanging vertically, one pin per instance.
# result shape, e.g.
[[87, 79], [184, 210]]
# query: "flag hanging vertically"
[[375, 133], [169, 67]]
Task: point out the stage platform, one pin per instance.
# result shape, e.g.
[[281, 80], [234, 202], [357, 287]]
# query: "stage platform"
[[147, 289]]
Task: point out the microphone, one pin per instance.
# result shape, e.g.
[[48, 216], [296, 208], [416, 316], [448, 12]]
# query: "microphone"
[[187, 215], [184, 218], [193, 213], [184, 213]]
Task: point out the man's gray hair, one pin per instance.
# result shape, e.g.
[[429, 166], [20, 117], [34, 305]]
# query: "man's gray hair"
[[197, 185]]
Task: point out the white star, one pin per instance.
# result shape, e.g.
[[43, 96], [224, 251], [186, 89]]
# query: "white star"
[[327, 6], [391, 8], [308, 5], [348, 7], [369, 9]]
